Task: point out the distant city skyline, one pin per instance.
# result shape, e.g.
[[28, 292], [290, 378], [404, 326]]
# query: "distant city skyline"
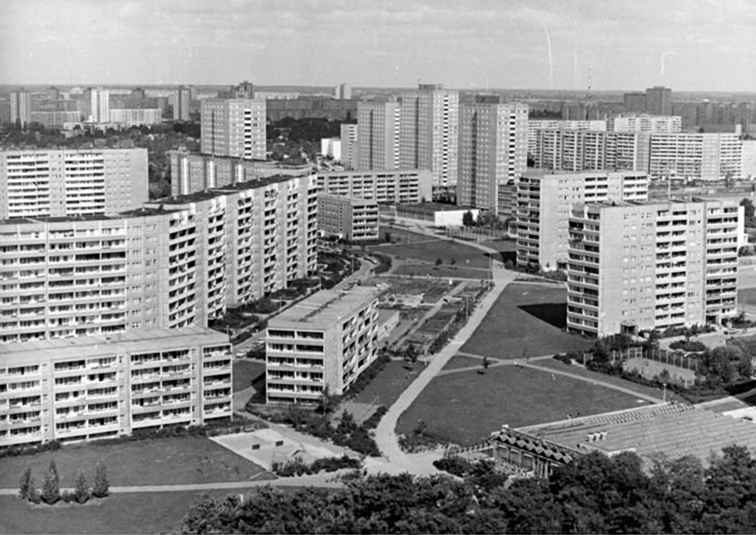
[[689, 45]]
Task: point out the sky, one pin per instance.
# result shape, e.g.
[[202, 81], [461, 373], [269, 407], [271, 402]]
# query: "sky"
[[689, 45]]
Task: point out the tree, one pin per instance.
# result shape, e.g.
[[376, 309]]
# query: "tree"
[[468, 219], [51, 485], [748, 209], [81, 488], [101, 487], [24, 484], [410, 354], [438, 261]]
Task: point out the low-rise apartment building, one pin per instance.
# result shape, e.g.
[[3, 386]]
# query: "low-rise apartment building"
[[106, 386], [178, 262], [321, 345], [62, 183], [544, 201], [637, 266], [405, 186], [350, 218]]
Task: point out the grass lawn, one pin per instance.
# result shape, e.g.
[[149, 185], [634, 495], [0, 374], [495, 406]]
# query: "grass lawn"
[[429, 251], [466, 407], [390, 382], [154, 512], [526, 318], [747, 296], [442, 271], [246, 371], [613, 379], [462, 361], [161, 461]]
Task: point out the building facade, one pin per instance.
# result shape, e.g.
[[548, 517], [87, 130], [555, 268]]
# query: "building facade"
[[321, 345], [492, 150], [178, 262], [181, 103], [385, 187], [104, 387], [709, 156], [654, 265], [234, 127], [55, 118], [99, 105], [658, 100], [349, 145], [597, 125], [584, 150], [655, 124], [20, 108], [544, 201], [378, 132], [62, 183], [350, 218], [136, 116]]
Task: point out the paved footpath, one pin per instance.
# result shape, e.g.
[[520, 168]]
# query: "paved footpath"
[[395, 460]]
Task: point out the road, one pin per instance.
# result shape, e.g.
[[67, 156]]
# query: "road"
[[395, 460]]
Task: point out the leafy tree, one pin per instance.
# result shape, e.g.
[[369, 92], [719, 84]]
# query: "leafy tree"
[[468, 219], [51, 485], [439, 261], [100, 487], [410, 354], [81, 488], [24, 484]]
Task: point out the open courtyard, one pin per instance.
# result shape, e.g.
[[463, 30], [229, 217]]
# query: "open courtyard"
[[527, 320], [466, 407]]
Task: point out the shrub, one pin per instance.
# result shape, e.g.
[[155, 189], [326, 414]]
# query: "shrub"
[[51, 485], [101, 487], [24, 484], [372, 422], [68, 496], [454, 465], [688, 345], [81, 488]]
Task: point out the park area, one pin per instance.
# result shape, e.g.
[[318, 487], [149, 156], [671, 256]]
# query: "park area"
[[526, 320], [159, 461], [465, 407]]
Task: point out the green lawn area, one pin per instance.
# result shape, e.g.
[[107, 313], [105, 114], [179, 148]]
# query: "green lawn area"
[[462, 361], [161, 461], [442, 271], [466, 407], [747, 296], [429, 251], [389, 383], [525, 319], [154, 512], [246, 371], [613, 379]]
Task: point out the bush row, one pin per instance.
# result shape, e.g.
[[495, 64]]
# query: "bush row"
[[297, 467]]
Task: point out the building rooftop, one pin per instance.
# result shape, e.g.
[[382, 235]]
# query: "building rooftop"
[[326, 308], [142, 340], [222, 190], [431, 207], [672, 429], [358, 201]]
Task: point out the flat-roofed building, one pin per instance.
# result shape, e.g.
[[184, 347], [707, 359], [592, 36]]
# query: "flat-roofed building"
[[434, 214], [321, 345], [234, 127], [378, 132], [692, 156], [59, 183], [598, 125], [350, 218], [349, 145], [492, 150], [651, 265], [98, 387], [655, 124], [20, 108], [192, 172], [135, 116], [589, 150], [544, 201], [398, 186], [178, 262]]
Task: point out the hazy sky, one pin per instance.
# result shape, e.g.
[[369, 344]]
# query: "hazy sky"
[[623, 44]]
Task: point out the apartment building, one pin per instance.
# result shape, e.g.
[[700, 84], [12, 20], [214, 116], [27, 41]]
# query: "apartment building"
[[136, 116], [653, 124], [492, 150], [180, 101], [99, 105], [62, 183], [429, 133], [233, 127], [544, 201], [589, 150], [178, 262], [598, 125], [55, 118], [321, 345], [350, 218], [20, 108], [107, 386], [708, 156], [349, 146], [659, 100], [637, 266], [378, 132], [404, 186], [192, 172]]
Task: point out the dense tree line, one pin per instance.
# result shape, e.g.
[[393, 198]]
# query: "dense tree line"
[[594, 494]]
